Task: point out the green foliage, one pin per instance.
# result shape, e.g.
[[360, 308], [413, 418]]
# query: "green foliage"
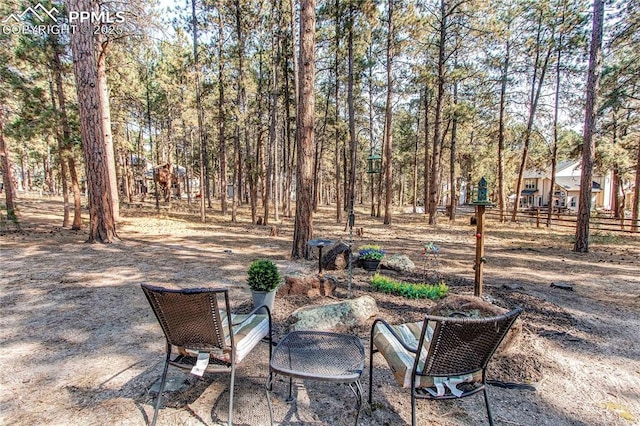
[[263, 275], [370, 252], [408, 290]]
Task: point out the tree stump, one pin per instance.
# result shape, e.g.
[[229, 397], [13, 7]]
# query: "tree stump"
[[337, 258]]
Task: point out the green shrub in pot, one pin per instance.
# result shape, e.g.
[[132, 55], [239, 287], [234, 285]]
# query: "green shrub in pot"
[[263, 275]]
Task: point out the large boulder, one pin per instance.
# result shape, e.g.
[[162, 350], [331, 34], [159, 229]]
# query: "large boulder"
[[339, 317], [311, 286], [337, 257], [398, 262]]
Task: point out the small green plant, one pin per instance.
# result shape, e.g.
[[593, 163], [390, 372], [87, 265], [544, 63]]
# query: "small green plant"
[[370, 252], [263, 275], [408, 290]]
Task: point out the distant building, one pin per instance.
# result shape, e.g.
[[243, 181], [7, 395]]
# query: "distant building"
[[536, 188]]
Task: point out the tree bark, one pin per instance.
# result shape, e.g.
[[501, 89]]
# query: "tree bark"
[[635, 215], [388, 121], [501, 131], [337, 135], [588, 144], [434, 179], [61, 143], [414, 182], [536, 89], [427, 155], [66, 154], [353, 147], [303, 227], [105, 113], [7, 174], [201, 139], [102, 226], [452, 150], [222, 143]]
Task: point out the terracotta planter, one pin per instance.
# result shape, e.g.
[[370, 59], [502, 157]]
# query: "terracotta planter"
[[369, 265]]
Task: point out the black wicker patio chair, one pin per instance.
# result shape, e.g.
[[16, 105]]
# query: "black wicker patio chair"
[[440, 357], [199, 324]]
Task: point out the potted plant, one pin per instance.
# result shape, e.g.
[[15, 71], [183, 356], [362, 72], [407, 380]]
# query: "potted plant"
[[370, 256], [263, 279]]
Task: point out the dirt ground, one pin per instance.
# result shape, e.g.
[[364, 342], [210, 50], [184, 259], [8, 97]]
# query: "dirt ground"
[[81, 346]]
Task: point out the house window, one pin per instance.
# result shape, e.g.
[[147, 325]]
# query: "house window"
[[573, 201], [530, 184]]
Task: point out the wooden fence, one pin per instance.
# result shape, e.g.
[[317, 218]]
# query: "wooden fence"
[[598, 222]]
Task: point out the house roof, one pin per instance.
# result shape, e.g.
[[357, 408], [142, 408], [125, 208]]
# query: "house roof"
[[564, 168], [567, 169], [534, 174], [573, 183]]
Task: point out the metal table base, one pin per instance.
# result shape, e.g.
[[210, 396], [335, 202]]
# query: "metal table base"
[[318, 355]]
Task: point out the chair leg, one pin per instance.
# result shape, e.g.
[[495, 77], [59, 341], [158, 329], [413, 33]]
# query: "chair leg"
[[486, 401], [413, 406], [370, 369], [269, 387], [159, 397], [233, 376]]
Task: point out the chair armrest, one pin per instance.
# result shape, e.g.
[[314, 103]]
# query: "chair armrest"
[[254, 311], [393, 333]]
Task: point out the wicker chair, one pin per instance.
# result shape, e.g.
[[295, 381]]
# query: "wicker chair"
[[453, 355], [194, 322]]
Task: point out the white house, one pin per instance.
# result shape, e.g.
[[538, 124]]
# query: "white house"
[[536, 188]]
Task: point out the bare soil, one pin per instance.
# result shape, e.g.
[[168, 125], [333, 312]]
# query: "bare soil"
[[81, 346]]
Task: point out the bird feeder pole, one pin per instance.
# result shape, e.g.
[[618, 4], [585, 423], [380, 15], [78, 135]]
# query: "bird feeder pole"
[[481, 203]]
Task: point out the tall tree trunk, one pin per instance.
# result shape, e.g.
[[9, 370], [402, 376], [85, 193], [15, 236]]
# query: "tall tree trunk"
[[105, 113], [588, 145], [434, 180], [414, 184], [427, 156], [61, 157], [303, 226], [273, 129], [536, 89], [353, 147], [242, 112], [635, 214], [556, 107], [7, 174], [291, 142], [337, 135], [102, 227], [452, 151], [200, 112], [501, 131], [61, 142], [388, 126], [222, 142], [370, 84], [66, 155]]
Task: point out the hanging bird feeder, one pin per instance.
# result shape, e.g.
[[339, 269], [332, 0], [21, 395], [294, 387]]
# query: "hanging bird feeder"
[[374, 164]]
